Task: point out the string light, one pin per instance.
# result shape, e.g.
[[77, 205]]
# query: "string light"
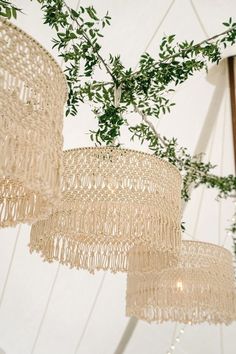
[[175, 341], [179, 285], [230, 231]]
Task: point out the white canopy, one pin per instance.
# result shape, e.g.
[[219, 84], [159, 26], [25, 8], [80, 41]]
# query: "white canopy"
[[46, 308]]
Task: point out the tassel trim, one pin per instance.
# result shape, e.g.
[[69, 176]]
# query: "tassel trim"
[[101, 236]]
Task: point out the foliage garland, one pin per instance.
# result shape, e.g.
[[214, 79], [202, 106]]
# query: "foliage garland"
[[144, 91]]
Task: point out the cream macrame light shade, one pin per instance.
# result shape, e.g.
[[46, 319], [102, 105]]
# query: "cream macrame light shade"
[[32, 97], [200, 289], [113, 199]]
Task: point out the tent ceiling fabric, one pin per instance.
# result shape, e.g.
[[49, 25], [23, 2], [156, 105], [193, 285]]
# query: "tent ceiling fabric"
[[47, 309]]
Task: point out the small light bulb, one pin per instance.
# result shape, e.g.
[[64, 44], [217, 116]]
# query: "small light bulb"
[[179, 285], [172, 347], [177, 339], [182, 330], [229, 233]]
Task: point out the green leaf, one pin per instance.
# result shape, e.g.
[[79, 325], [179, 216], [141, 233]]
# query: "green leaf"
[[74, 13], [92, 13], [8, 12], [89, 24]]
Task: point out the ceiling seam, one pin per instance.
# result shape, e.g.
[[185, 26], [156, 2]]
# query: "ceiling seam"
[[204, 31], [90, 314], [45, 310], [57, 271], [157, 29], [10, 266], [162, 21], [99, 288], [199, 18], [221, 340]]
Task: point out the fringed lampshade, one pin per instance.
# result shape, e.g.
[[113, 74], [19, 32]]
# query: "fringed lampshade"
[[32, 97], [200, 289], [113, 199]]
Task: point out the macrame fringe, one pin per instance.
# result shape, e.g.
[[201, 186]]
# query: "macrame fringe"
[[29, 182], [101, 235], [15, 210], [215, 306], [114, 256], [201, 287], [31, 128]]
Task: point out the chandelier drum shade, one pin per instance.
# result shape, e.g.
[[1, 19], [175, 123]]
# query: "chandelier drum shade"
[[199, 289], [113, 199], [32, 97]]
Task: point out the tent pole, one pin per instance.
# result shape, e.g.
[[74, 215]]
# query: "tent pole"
[[231, 72], [201, 146]]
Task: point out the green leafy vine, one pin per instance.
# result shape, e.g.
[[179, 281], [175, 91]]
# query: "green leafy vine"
[[145, 91]]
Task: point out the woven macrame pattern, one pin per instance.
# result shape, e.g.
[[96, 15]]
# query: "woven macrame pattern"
[[113, 199], [32, 97], [200, 289]]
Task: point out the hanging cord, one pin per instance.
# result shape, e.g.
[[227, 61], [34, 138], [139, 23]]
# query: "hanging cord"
[[222, 153], [10, 266], [117, 96], [90, 314], [203, 189]]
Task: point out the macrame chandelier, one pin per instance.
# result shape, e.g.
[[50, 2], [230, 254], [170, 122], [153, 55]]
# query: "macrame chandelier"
[[32, 97], [200, 289], [113, 199]]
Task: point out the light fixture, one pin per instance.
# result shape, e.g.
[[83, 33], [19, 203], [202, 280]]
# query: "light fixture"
[[32, 96], [113, 199], [199, 289]]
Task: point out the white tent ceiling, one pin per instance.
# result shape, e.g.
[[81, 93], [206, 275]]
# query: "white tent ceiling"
[[46, 308]]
